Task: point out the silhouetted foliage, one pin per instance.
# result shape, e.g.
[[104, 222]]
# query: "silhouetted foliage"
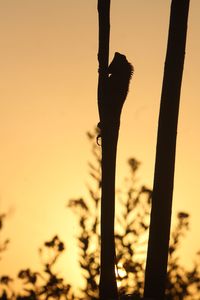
[[132, 224], [131, 238], [45, 284], [3, 244]]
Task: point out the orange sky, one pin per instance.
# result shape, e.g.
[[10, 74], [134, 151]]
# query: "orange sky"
[[48, 81]]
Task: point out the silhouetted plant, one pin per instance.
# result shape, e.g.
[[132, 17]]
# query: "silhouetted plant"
[[161, 208], [45, 284], [3, 244], [181, 283], [131, 238], [5, 280], [132, 224]]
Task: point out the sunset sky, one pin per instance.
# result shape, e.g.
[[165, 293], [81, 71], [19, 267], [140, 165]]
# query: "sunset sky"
[[48, 83]]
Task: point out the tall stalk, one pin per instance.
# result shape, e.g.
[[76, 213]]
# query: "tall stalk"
[[108, 285], [157, 256]]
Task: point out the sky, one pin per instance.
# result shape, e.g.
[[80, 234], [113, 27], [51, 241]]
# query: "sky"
[[48, 87]]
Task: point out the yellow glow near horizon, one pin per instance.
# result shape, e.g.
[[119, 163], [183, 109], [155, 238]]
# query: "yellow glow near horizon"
[[48, 82]]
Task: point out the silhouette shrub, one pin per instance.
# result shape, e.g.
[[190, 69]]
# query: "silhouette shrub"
[[132, 223]]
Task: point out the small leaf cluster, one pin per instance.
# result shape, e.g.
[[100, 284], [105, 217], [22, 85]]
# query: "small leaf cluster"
[[43, 285], [3, 244]]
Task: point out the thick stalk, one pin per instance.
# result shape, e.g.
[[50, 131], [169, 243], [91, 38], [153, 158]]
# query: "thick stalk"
[[109, 137], [157, 256], [108, 286]]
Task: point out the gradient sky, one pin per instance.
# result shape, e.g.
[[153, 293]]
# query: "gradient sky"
[[48, 82]]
